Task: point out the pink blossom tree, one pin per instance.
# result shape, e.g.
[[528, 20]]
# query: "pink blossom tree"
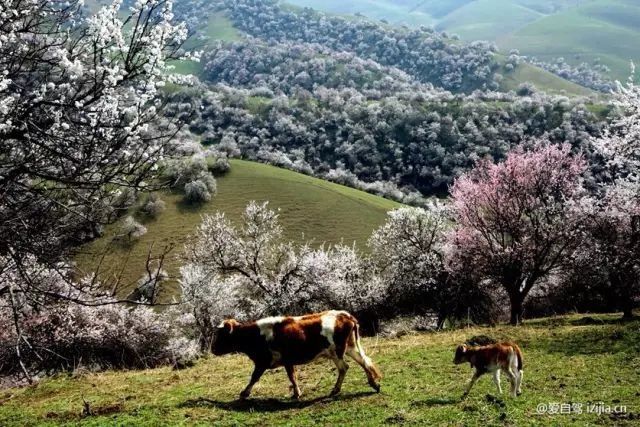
[[515, 219]]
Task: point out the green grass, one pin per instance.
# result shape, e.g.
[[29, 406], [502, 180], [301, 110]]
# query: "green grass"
[[395, 12], [608, 30], [218, 28], [543, 81], [310, 209], [479, 20], [566, 360]]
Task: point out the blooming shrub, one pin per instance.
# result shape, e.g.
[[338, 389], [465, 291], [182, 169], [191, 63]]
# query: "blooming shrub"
[[130, 229], [153, 206]]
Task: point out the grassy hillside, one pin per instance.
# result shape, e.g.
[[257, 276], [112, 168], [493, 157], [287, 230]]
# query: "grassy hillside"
[[543, 81], [218, 28], [310, 209], [485, 19], [578, 30], [396, 12], [566, 360], [601, 29]]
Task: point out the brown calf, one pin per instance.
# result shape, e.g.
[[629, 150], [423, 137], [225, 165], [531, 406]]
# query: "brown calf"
[[289, 341], [493, 358]]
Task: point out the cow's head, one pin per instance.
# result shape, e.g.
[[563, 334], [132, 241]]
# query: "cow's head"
[[224, 342], [461, 354]]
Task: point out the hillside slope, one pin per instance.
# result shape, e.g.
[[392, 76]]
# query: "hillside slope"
[[566, 360], [607, 31], [219, 27], [310, 209]]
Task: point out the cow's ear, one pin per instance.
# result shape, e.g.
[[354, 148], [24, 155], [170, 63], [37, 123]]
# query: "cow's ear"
[[226, 325]]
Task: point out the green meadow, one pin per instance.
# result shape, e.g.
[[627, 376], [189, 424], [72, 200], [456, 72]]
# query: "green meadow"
[[310, 209], [605, 30], [567, 360]]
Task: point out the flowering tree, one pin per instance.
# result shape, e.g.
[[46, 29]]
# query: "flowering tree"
[[615, 220], [258, 272], [612, 246], [249, 272], [78, 100], [620, 145], [409, 251], [78, 107], [515, 222]]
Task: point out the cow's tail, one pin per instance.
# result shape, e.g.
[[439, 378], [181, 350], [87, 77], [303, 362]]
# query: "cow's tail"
[[368, 363]]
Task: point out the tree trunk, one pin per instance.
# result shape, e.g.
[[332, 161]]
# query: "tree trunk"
[[622, 292], [627, 309], [516, 299]]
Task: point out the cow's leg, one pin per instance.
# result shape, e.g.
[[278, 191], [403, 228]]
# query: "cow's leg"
[[513, 379], [342, 371], [362, 360], [473, 380], [291, 373], [258, 370], [496, 379]]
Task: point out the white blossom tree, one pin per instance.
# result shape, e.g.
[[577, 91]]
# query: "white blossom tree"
[[79, 104], [620, 146], [614, 238], [409, 251], [249, 271], [254, 253]]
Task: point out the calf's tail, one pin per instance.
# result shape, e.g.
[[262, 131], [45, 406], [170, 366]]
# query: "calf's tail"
[[519, 356]]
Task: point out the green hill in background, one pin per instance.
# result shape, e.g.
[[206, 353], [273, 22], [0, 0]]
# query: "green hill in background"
[[310, 209], [219, 27], [607, 31]]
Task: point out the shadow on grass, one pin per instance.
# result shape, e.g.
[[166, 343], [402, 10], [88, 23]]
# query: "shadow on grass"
[[268, 405], [608, 339], [586, 320], [589, 320], [436, 401], [185, 206]]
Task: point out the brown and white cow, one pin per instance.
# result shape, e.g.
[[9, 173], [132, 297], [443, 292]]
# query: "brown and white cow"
[[493, 358], [289, 341]]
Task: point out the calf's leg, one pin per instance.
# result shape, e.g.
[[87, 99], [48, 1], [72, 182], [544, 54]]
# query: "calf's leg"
[[519, 390], [513, 379], [496, 379], [258, 370], [473, 380]]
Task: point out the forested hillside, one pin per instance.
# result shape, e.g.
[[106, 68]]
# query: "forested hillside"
[[364, 104], [596, 33]]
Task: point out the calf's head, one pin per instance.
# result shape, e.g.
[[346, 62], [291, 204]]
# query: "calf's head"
[[461, 354], [225, 342]]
